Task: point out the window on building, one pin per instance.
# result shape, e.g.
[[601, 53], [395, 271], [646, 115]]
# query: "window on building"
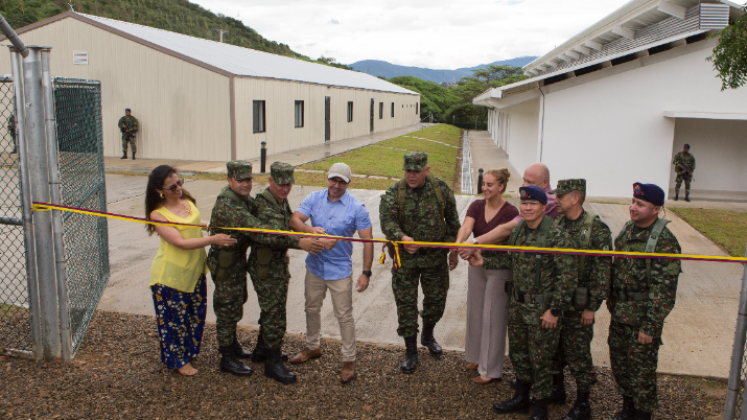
[[416, 107], [381, 110], [299, 114], [259, 116], [350, 111], [392, 109]]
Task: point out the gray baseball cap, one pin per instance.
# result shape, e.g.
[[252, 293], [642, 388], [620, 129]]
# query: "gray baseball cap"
[[340, 170]]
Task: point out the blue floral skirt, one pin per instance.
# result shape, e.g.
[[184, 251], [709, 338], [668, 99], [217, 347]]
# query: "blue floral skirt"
[[181, 321]]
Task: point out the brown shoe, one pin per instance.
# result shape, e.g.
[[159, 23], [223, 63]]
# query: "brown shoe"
[[348, 372], [305, 355], [473, 366], [483, 380]]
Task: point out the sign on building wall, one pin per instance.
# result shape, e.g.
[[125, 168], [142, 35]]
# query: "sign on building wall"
[[80, 57]]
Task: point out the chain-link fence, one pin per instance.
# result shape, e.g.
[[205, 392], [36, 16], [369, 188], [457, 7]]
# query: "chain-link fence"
[[15, 324], [81, 160]]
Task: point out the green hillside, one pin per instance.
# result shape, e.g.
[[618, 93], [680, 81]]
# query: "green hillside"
[[173, 15]]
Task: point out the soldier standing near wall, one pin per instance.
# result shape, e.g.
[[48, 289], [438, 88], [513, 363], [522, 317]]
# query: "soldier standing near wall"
[[268, 267], [684, 166], [129, 127], [644, 291], [233, 208], [585, 231], [420, 207]]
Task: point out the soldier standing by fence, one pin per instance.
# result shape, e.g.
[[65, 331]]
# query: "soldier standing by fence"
[[268, 267], [585, 231], [420, 207], [644, 291], [129, 127], [233, 208]]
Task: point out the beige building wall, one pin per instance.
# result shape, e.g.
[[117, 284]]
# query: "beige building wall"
[[280, 96], [183, 109]]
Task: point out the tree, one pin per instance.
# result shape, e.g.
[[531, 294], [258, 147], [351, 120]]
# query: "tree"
[[730, 55]]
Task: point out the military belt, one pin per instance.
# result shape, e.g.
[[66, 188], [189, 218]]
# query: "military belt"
[[624, 296], [528, 297]]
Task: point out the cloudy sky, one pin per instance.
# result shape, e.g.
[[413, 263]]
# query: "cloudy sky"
[[437, 34]]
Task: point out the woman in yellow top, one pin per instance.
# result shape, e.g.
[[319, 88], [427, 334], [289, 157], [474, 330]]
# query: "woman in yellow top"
[[177, 275]]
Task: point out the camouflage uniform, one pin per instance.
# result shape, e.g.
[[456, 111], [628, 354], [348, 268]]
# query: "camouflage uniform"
[[634, 364], [424, 220], [574, 348], [228, 264], [129, 136], [268, 261], [688, 160], [532, 347]]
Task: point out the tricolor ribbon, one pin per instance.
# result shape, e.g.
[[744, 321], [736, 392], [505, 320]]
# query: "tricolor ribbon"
[[37, 206]]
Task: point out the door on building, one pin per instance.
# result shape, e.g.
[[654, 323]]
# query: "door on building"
[[372, 113], [327, 131]]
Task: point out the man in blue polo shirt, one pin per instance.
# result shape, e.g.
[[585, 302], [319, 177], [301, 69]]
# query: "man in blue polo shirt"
[[335, 212]]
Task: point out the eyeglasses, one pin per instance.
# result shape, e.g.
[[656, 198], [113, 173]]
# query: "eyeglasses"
[[173, 188], [340, 183]]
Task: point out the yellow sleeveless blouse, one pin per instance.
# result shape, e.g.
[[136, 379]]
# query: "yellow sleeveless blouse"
[[174, 267]]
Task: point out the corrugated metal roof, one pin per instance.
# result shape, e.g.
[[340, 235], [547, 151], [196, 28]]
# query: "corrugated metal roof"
[[247, 62]]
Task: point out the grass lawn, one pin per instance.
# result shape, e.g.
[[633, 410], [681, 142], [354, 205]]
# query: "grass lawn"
[[726, 228], [385, 158]]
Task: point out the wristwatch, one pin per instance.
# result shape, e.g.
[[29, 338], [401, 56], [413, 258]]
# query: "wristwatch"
[[474, 242], [555, 312], [367, 273]]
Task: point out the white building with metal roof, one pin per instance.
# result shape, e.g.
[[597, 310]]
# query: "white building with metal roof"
[[198, 99], [614, 103]]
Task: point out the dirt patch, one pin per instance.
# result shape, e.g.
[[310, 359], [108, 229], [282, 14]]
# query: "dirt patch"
[[117, 375]]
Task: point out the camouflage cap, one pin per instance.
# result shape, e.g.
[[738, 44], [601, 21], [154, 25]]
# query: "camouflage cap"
[[239, 170], [567, 185], [282, 173], [415, 161]]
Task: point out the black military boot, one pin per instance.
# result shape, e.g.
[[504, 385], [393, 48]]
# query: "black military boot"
[[229, 363], [519, 403], [642, 415], [124, 155], [628, 411], [133, 155], [275, 369], [687, 197], [426, 339], [677, 197], [238, 351], [581, 410], [411, 355], [558, 390], [539, 411], [261, 352]]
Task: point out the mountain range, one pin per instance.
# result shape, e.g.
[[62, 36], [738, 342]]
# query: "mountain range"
[[389, 70]]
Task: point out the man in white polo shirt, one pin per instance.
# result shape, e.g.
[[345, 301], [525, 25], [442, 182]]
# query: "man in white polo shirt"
[[335, 212]]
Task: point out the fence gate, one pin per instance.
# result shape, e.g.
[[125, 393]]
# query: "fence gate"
[[15, 319]]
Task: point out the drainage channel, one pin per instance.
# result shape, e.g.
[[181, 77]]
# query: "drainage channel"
[[466, 165]]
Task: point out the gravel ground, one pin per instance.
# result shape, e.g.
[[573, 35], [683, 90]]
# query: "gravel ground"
[[117, 375]]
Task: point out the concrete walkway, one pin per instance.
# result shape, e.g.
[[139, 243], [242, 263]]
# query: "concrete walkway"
[[697, 337], [294, 157], [486, 155]]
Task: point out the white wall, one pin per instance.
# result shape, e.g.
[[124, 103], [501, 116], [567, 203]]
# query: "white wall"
[[720, 150], [519, 128], [611, 130]]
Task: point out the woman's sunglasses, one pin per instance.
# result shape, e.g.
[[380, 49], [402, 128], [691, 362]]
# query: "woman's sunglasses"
[[173, 188]]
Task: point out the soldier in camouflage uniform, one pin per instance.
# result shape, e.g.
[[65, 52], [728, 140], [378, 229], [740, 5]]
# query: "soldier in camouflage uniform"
[[268, 267], [233, 208], [541, 285], [129, 127], [584, 231], [643, 294], [684, 166], [420, 207]]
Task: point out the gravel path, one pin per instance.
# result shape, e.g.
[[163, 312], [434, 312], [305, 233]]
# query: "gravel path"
[[117, 375]]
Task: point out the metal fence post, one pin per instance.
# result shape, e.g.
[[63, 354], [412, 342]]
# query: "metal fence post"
[[39, 176], [32, 283], [737, 355], [56, 198], [263, 157]]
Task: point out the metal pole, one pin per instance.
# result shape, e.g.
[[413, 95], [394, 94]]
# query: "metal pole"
[[13, 37], [479, 181], [263, 157], [32, 281], [39, 175], [737, 354], [56, 198]]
